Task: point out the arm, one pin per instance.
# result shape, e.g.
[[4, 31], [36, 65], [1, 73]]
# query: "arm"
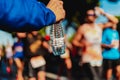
[[107, 46], [47, 46], [77, 38], [105, 43], [107, 15], [26, 15], [66, 57], [112, 20], [68, 63]]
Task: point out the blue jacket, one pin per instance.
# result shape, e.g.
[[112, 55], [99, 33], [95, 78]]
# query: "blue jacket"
[[24, 15]]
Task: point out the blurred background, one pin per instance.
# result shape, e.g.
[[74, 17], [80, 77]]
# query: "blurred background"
[[55, 65], [76, 12]]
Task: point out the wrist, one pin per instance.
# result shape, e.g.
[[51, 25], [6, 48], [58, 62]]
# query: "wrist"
[[104, 14], [81, 45], [111, 46]]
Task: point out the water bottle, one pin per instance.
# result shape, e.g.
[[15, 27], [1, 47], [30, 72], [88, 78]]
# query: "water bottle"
[[57, 39]]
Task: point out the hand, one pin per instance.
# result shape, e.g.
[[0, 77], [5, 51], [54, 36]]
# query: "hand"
[[99, 10], [57, 7], [111, 45], [115, 44]]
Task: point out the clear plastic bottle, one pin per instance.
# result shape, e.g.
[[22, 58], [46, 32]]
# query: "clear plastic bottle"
[[57, 39]]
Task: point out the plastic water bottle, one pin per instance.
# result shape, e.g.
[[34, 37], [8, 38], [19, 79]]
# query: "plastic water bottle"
[[57, 39]]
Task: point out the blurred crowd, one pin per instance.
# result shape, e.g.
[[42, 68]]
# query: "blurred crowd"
[[92, 54]]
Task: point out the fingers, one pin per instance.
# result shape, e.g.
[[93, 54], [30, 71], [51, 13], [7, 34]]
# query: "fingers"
[[51, 2], [63, 13], [61, 2], [57, 7], [55, 3]]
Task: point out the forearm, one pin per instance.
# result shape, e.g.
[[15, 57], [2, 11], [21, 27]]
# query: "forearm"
[[106, 46], [111, 17], [24, 15], [78, 44]]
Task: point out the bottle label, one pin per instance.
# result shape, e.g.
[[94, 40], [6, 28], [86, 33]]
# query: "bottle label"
[[58, 42]]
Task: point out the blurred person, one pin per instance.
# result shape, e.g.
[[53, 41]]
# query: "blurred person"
[[88, 38], [29, 15], [59, 65], [6, 38], [1, 56], [7, 42], [18, 56], [66, 56], [36, 47], [66, 65], [111, 55], [1, 52], [9, 57]]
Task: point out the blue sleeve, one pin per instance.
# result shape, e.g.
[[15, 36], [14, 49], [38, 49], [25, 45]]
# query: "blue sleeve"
[[24, 15]]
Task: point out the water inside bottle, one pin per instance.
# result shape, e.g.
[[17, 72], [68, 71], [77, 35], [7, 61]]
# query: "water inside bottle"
[[57, 39]]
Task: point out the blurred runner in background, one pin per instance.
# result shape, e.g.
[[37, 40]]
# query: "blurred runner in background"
[[88, 38], [36, 46], [111, 55], [18, 56]]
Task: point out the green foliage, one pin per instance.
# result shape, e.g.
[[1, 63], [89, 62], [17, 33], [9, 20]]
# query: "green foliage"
[[71, 38], [42, 31], [118, 17]]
